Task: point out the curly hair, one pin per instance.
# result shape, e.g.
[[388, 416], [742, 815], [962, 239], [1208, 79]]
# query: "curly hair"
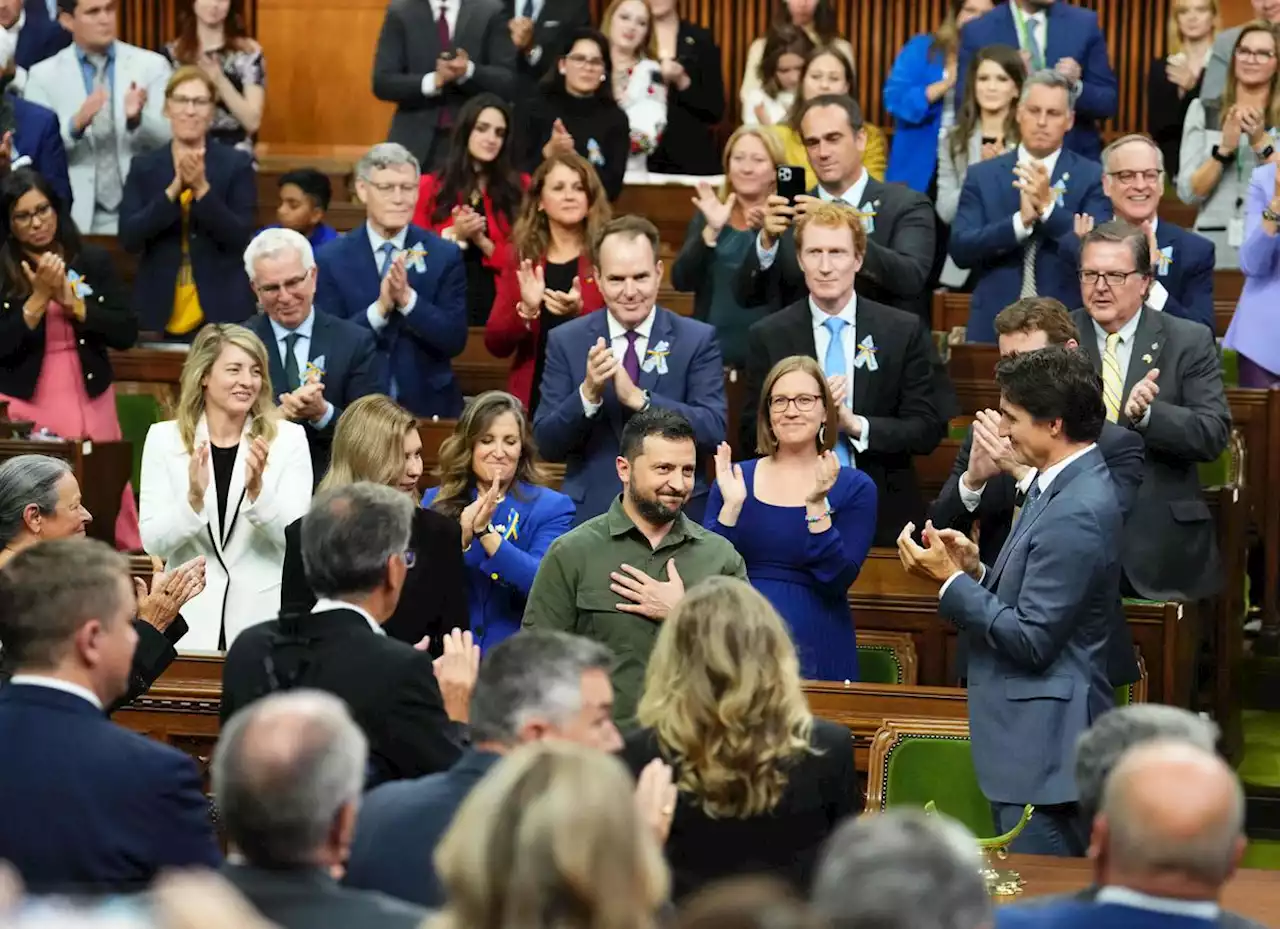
[[722, 694], [531, 233]]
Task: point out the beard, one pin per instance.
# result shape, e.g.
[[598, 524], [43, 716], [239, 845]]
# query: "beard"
[[653, 509]]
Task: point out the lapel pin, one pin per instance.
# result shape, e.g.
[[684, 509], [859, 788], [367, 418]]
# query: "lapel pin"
[[1154, 346], [1147, 359]]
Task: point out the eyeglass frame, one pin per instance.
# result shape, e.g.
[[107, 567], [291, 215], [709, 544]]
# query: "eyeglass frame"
[[194, 103], [1119, 176], [585, 61], [787, 402], [27, 217], [1255, 54], [290, 286], [1107, 276]]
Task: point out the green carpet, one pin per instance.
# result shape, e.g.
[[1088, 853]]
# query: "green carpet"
[[1262, 853], [1260, 766]]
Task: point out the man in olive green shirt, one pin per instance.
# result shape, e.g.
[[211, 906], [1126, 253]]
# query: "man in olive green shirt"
[[601, 580]]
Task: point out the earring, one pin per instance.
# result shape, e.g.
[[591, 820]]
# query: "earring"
[[822, 434]]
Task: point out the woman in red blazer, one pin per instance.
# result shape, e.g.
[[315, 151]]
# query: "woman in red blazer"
[[472, 200], [546, 275]]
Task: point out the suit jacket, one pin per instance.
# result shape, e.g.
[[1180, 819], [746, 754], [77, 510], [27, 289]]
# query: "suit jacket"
[[821, 792], [896, 268], [688, 143], [109, 322], [408, 46], [1077, 912], [352, 369], [389, 686], [1072, 32], [89, 806], [907, 401], [400, 825], [418, 346], [40, 37], [1123, 450], [692, 386], [556, 19], [221, 225], [307, 898], [983, 238], [37, 143], [1170, 546], [1037, 626], [243, 557], [434, 598], [58, 83], [1226, 920]]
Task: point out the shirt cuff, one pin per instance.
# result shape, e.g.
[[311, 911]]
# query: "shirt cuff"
[[377, 322], [970, 498], [766, 256], [1145, 420], [469, 73], [326, 418], [1158, 296], [429, 88], [860, 443], [589, 409], [1020, 230], [408, 307], [982, 574]]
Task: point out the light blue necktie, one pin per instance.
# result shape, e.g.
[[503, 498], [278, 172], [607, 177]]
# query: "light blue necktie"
[[837, 365], [384, 264]]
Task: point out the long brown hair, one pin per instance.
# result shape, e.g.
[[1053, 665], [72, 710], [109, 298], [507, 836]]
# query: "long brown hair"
[[1231, 90], [782, 39], [457, 478], [532, 231], [368, 443], [797, 105], [766, 441], [969, 116], [186, 49]]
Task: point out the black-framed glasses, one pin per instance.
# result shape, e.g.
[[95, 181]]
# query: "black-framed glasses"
[[1255, 54], [24, 217], [1128, 177], [585, 61], [805, 403], [1113, 278]]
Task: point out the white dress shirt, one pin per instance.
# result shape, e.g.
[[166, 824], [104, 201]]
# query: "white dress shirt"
[[57, 683], [1021, 229], [1124, 354], [849, 342], [301, 354], [1194, 909], [852, 197], [451, 8], [1157, 297], [618, 342], [326, 604], [9, 40], [972, 498], [373, 314]]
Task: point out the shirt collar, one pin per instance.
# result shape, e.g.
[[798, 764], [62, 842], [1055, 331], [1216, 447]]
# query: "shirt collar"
[[83, 56], [1048, 474], [849, 314], [1127, 331], [326, 604], [642, 329], [1050, 161], [620, 524], [303, 328], [1195, 909], [57, 683], [376, 241], [852, 196]]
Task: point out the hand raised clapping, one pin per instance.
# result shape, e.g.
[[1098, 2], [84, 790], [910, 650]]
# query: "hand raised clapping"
[[715, 212]]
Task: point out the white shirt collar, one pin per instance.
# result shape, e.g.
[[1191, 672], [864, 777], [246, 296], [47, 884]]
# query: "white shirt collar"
[[1127, 331], [617, 330], [326, 604], [849, 313], [376, 241], [1195, 909], [303, 328], [1048, 474], [57, 683], [852, 196], [1050, 161]]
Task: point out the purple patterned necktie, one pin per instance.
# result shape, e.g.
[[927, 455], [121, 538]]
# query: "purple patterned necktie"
[[445, 117], [631, 361]]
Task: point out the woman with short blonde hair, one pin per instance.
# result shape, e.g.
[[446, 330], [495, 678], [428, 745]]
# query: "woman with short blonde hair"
[[1175, 79], [221, 481], [551, 839], [761, 781]]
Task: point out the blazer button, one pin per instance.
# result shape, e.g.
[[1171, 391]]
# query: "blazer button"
[[88, 377], [82, 341]]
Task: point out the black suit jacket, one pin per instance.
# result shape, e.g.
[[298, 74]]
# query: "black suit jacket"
[[907, 401], [352, 369], [399, 826], [1123, 451], [896, 269], [109, 322], [389, 686], [307, 898], [688, 143], [434, 598], [556, 19], [821, 791], [222, 223]]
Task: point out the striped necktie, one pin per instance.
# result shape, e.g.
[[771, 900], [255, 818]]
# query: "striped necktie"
[[1112, 377]]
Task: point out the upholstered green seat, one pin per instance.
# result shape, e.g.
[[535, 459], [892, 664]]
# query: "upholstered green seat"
[[920, 768], [1230, 364], [136, 412], [1216, 473], [877, 664], [1124, 695], [957, 431]]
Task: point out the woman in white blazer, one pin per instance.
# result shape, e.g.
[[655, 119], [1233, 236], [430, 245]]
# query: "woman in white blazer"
[[223, 480]]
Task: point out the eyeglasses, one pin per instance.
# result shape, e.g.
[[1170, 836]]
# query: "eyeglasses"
[[293, 285], [193, 103], [408, 190], [26, 217], [1255, 54], [585, 61], [1128, 177], [805, 403], [1113, 278]]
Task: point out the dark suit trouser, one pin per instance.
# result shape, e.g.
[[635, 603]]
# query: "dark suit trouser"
[[1055, 830]]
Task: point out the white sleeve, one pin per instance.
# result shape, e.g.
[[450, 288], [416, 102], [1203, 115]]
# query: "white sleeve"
[[165, 518], [286, 484]]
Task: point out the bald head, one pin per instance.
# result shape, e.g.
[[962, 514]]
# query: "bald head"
[[1171, 811]]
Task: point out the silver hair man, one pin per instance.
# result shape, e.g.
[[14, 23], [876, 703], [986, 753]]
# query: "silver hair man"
[[272, 243], [385, 155], [1048, 78], [350, 535]]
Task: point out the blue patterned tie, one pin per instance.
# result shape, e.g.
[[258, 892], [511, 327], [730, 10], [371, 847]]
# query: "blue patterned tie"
[[1033, 494], [837, 365], [388, 249]]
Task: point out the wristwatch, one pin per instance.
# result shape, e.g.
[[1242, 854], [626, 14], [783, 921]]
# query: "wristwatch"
[[1271, 216], [487, 530], [1265, 153], [1224, 158]]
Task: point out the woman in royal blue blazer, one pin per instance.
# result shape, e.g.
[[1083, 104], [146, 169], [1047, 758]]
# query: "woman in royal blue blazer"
[[491, 482], [920, 95]]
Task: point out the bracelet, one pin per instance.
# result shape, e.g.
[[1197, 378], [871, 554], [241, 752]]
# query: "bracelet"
[[827, 512]]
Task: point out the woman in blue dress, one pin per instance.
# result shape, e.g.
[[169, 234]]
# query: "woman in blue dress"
[[802, 522], [491, 482]]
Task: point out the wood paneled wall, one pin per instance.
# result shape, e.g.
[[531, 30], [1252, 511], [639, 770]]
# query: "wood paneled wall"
[[320, 54]]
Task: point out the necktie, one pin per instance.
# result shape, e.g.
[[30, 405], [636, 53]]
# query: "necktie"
[[630, 360], [1030, 249], [445, 118], [1033, 494], [1112, 377], [1035, 46], [292, 379], [527, 12], [387, 250], [836, 365], [108, 185]]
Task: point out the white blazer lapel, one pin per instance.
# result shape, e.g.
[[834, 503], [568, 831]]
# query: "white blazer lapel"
[[220, 532]]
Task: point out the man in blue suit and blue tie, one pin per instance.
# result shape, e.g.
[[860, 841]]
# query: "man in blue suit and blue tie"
[[29, 33], [86, 805], [406, 284], [1056, 36], [1016, 210], [1037, 621], [603, 367]]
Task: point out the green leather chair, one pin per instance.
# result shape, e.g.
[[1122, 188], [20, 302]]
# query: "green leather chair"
[[877, 664], [137, 412]]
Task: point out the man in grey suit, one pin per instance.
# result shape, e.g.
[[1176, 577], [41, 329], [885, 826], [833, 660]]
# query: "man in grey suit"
[[1037, 620], [1162, 379], [434, 54]]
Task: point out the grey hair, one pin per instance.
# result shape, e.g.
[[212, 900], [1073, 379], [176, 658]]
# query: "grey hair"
[[1048, 78], [532, 674], [349, 534], [283, 768], [902, 869], [1130, 139], [1113, 733], [1118, 232], [1135, 838], [25, 480], [385, 155], [271, 243]]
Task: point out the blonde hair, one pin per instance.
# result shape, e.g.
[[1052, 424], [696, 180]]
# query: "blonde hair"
[[833, 216], [772, 148], [1173, 35], [550, 839], [205, 351], [722, 694], [531, 232], [649, 46], [766, 441], [368, 443], [1232, 88]]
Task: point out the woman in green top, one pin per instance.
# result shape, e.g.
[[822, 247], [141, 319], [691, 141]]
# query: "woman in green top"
[[722, 233]]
